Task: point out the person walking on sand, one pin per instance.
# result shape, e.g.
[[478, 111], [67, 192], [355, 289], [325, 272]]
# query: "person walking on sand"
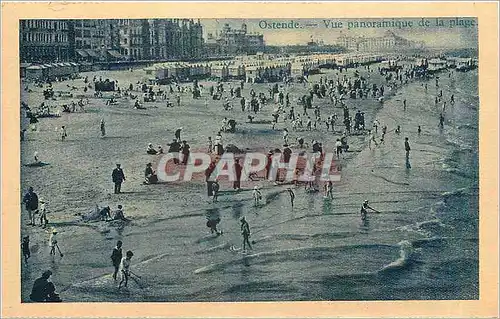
[[285, 136], [407, 150], [329, 190], [116, 257], [185, 150], [441, 120], [382, 137], [237, 169], [30, 201], [257, 196], [210, 145], [43, 214], [25, 247], [245, 232], [215, 191], [64, 134], [372, 140], [103, 128], [178, 134], [125, 269], [118, 178], [53, 242], [338, 148], [292, 195]]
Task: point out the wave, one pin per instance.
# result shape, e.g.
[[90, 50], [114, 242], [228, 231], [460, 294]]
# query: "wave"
[[301, 237], [317, 252], [457, 192], [468, 126], [460, 144], [405, 252]]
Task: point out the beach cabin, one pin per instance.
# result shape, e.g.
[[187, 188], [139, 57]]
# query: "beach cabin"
[[436, 65], [220, 71], [35, 72], [62, 70], [298, 69], [85, 67], [253, 73], [464, 64], [22, 69], [236, 71]]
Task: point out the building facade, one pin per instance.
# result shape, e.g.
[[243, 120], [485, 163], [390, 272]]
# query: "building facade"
[[104, 40], [182, 38], [95, 40], [239, 41], [387, 42], [46, 40]]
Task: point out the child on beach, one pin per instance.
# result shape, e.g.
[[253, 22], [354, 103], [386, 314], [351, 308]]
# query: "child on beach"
[[292, 195], [125, 269], [43, 214], [25, 247], [53, 242], [257, 196], [215, 191], [210, 145], [64, 134], [329, 190]]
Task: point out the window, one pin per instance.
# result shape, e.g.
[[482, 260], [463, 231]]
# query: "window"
[[125, 40]]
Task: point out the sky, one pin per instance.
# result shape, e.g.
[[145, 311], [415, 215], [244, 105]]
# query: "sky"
[[444, 33]]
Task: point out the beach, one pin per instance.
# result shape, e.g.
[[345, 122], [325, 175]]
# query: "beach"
[[422, 245]]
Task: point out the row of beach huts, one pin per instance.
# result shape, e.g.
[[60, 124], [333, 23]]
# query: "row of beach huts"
[[53, 71], [251, 69], [256, 68], [459, 64]]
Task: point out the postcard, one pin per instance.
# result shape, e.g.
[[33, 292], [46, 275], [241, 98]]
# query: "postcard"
[[249, 159]]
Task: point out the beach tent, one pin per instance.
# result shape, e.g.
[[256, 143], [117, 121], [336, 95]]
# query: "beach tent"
[[22, 69], [35, 72], [253, 73], [219, 71]]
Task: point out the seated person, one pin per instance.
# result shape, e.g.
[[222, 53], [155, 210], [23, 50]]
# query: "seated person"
[[151, 150], [232, 125], [149, 175], [138, 106], [212, 224], [105, 213], [44, 290], [111, 100], [118, 214], [343, 140]]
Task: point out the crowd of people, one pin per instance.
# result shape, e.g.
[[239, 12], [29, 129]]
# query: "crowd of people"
[[336, 92]]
